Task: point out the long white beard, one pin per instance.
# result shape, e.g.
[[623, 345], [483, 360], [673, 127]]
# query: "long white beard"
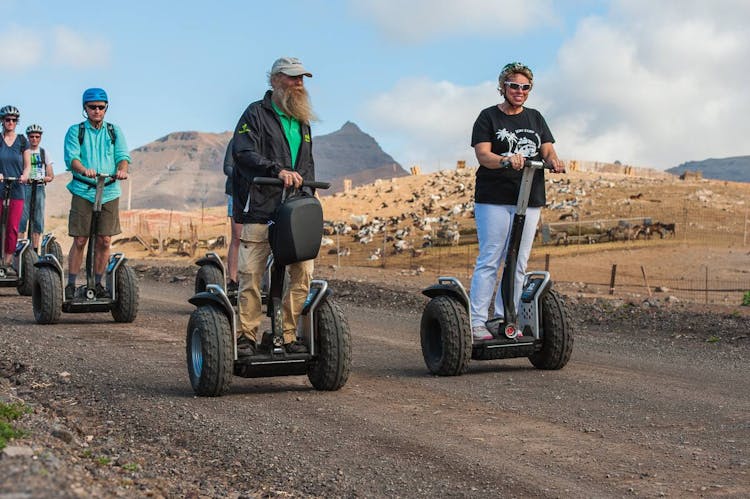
[[295, 102]]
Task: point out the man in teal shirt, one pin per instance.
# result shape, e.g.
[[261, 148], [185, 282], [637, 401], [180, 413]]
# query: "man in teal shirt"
[[93, 147]]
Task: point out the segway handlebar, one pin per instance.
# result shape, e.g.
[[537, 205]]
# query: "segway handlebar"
[[36, 181], [531, 163], [279, 182], [11, 179], [112, 178]]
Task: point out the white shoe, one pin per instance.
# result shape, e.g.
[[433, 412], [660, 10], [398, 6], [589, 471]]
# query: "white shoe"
[[481, 332]]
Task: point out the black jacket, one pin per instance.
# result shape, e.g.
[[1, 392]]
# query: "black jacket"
[[260, 149]]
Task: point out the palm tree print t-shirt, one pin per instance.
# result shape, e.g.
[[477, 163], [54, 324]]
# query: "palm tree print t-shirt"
[[522, 133]]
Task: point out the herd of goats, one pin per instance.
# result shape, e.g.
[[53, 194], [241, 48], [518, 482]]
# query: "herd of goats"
[[623, 231], [391, 232], [438, 213]]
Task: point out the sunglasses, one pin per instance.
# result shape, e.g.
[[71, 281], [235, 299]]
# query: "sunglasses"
[[518, 86], [34, 136], [98, 107], [9, 120]]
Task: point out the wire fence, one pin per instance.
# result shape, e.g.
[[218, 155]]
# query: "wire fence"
[[562, 247], [669, 236]]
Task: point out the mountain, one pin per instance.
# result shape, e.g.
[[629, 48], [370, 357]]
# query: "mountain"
[[350, 153], [736, 169], [184, 170]]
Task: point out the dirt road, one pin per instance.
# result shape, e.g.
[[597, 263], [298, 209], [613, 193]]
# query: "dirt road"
[[654, 402]]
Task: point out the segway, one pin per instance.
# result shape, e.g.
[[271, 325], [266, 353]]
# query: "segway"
[[49, 243], [211, 347], [121, 284], [22, 277], [213, 271], [540, 330]]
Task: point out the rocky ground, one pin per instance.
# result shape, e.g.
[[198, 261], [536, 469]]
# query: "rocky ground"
[[654, 402]]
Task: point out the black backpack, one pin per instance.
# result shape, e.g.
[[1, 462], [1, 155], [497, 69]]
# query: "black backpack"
[[110, 130], [297, 229]]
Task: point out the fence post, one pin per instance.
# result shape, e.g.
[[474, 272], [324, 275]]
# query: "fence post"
[[546, 262], [645, 280], [685, 223], [612, 279], [706, 285]]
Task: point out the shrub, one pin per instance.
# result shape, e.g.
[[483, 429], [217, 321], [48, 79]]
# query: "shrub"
[[8, 414]]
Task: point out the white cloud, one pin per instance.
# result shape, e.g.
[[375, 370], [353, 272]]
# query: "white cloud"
[[78, 50], [418, 20], [20, 49], [437, 118], [650, 84], [654, 84]]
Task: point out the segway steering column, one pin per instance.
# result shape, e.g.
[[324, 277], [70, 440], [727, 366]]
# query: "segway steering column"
[[507, 285]]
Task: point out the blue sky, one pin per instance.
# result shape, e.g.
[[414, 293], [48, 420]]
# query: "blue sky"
[[629, 80]]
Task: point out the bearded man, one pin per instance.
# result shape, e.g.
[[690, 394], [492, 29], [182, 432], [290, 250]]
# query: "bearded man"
[[272, 139]]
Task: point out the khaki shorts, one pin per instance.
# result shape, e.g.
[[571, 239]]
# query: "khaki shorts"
[[79, 220]]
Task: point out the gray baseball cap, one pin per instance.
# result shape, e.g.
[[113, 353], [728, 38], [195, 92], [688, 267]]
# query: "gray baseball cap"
[[290, 66]]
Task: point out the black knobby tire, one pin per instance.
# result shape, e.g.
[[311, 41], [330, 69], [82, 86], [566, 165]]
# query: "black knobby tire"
[[557, 336], [46, 296], [445, 334], [209, 351], [125, 306], [208, 274], [55, 249], [25, 285], [330, 369]]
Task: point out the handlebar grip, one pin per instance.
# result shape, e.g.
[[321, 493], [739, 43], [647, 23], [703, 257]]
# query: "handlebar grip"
[[277, 181], [529, 163], [86, 180]]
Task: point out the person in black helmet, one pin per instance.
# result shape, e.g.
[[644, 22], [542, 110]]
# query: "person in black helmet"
[[91, 147]]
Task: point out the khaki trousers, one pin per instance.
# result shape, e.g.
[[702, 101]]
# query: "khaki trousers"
[[254, 251]]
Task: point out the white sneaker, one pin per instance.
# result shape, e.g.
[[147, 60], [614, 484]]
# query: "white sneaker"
[[481, 332]]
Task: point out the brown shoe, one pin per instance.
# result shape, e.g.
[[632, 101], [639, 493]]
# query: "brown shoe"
[[295, 347], [245, 347]]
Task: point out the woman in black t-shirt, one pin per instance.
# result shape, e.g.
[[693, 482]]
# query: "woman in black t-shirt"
[[505, 132]]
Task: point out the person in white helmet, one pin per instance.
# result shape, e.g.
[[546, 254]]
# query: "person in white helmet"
[[41, 170]]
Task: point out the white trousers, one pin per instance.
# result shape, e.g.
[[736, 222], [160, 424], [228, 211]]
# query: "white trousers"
[[494, 223]]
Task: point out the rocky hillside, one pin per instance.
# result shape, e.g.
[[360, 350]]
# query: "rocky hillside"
[[736, 169], [351, 153], [183, 170]]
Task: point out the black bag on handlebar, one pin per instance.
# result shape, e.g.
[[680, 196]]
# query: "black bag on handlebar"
[[297, 229]]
